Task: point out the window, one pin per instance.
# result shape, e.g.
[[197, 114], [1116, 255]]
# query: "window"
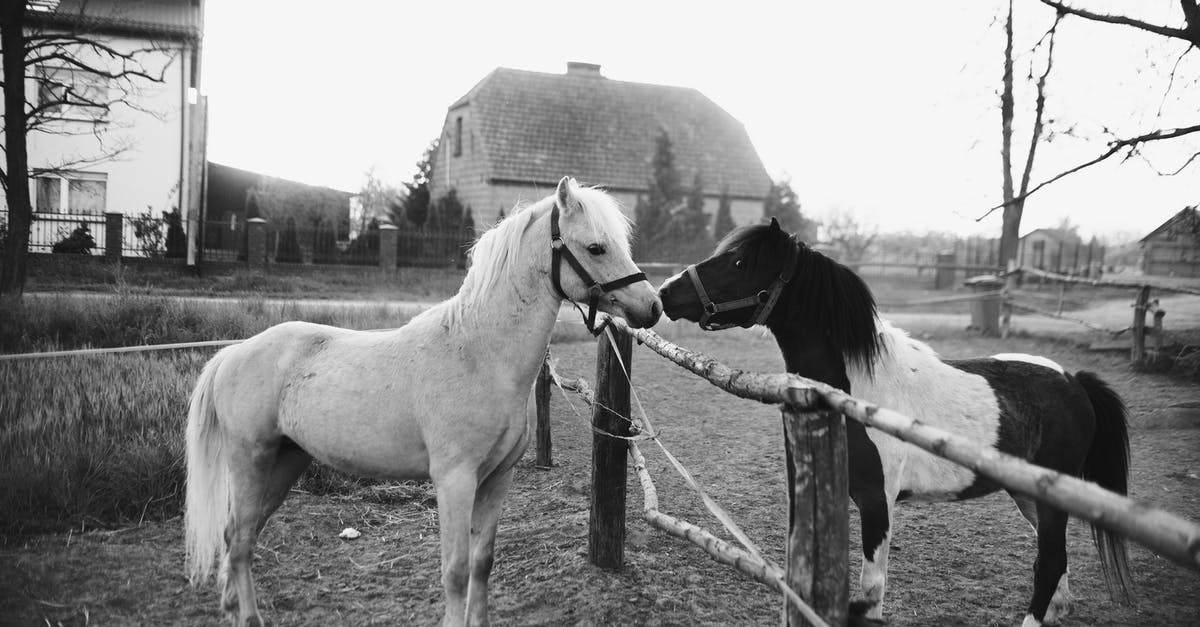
[[458, 136], [84, 192], [72, 94]]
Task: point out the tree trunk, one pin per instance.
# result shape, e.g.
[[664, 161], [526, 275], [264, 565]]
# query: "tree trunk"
[[1010, 232], [16, 181]]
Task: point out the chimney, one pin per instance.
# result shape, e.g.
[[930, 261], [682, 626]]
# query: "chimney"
[[578, 68]]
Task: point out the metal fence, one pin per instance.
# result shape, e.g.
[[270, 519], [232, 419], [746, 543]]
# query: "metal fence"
[[49, 229], [227, 241], [142, 235]]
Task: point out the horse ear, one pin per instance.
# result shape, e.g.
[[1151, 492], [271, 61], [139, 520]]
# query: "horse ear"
[[775, 224], [565, 197]]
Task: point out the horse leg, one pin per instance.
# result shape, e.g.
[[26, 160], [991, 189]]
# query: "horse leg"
[[489, 502], [455, 497], [1050, 568], [250, 467], [1060, 603], [875, 515], [290, 463]]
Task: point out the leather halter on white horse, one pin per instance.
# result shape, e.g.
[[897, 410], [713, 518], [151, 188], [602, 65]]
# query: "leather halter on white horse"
[[560, 251], [764, 301]]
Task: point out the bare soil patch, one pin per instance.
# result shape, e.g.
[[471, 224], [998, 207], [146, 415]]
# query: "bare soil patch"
[[959, 564]]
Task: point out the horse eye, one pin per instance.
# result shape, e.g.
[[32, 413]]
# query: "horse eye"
[[737, 263], [596, 249]]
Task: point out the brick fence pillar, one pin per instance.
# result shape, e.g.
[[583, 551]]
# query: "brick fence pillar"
[[113, 231], [256, 242], [389, 236]]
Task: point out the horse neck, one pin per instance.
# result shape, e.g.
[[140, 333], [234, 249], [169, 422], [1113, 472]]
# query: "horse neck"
[[810, 354], [513, 319]]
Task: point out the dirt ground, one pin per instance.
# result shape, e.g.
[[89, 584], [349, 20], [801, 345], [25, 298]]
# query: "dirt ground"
[[964, 563]]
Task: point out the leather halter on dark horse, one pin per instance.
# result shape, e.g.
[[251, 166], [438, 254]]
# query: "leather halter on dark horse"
[[763, 302], [559, 252]]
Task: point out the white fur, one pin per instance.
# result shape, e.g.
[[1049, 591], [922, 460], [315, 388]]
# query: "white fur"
[[442, 397], [1033, 359], [910, 378]]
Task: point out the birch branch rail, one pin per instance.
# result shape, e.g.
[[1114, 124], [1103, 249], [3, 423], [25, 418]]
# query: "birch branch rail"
[[1158, 284], [1167, 534], [717, 548]]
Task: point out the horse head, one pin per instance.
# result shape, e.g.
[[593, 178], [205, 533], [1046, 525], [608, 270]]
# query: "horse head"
[[591, 236], [739, 284]]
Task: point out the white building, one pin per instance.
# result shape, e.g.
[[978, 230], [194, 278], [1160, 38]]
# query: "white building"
[[144, 152]]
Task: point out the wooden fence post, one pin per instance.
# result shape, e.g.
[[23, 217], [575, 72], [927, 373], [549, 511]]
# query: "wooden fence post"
[[610, 414], [1138, 354], [818, 542], [541, 392]]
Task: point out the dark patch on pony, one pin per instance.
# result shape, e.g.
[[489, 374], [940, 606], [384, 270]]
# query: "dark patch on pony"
[[824, 294]]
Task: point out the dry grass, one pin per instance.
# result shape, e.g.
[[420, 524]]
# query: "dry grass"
[[98, 440]]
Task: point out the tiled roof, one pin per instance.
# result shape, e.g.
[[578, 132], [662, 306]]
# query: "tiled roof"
[[1185, 214], [536, 127], [168, 19]]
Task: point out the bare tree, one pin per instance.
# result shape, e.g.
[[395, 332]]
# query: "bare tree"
[[1014, 198], [850, 237], [75, 71], [1126, 146]]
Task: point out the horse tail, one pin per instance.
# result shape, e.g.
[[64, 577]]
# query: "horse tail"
[[207, 502], [1107, 464]]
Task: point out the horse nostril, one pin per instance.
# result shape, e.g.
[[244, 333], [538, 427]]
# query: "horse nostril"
[[655, 311]]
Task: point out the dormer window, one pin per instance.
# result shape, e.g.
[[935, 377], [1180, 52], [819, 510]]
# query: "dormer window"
[[458, 136]]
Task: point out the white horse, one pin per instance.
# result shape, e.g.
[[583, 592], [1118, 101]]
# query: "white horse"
[[443, 397]]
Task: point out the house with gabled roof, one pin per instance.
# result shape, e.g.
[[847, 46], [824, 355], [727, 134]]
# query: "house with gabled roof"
[[142, 152], [1173, 249], [516, 133]]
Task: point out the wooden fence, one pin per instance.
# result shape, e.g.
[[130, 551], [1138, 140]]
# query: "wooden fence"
[[814, 415], [1142, 306]]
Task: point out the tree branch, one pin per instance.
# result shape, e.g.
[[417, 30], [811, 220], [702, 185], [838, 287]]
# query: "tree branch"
[[1040, 106], [1190, 34], [1114, 147]]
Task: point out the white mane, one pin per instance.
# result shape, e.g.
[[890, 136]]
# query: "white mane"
[[500, 247]]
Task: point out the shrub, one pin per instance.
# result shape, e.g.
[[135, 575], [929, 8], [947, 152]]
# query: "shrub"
[[79, 242]]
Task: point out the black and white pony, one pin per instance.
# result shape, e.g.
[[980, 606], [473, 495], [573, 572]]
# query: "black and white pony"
[[824, 319]]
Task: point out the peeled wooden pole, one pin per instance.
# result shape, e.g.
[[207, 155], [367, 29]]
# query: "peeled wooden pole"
[[1171, 536], [1167, 534], [818, 541], [610, 414], [541, 391], [1138, 352]]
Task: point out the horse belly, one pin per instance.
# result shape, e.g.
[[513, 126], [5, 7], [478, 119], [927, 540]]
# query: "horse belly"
[[376, 439]]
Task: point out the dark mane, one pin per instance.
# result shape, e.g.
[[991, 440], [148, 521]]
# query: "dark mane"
[[823, 295]]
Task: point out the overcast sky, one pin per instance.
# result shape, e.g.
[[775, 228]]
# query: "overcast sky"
[[887, 110]]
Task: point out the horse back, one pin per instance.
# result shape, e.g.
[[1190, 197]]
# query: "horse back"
[[1045, 417]]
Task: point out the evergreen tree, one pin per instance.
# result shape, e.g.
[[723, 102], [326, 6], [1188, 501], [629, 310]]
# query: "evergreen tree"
[[724, 220], [783, 204], [685, 236], [415, 206], [664, 195], [447, 213]]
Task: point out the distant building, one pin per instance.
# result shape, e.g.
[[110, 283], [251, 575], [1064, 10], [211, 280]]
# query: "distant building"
[[233, 195], [160, 136], [1173, 249], [1064, 252], [516, 133]]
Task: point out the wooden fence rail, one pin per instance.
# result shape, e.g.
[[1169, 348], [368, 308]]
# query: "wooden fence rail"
[[1141, 305], [817, 567]]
